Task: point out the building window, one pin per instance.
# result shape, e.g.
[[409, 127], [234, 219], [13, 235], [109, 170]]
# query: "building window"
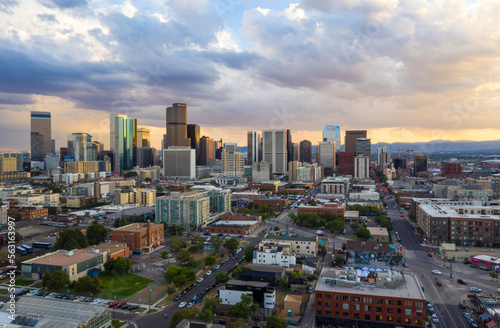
[[336, 305], [319, 303], [319, 295], [390, 310], [356, 315], [319, 312], [345, 314], [355, 299], [418, 313], [378, 318], [390, 319], [389, 302], [345, 306], [407, 311], [368, 317], [336, 297], [367, 308], [356, 307], [345, 298], [378, 309], [328, 296], [328, 304], [328, 313]]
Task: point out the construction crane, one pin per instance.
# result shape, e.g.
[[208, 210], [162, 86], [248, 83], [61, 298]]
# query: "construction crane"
[[408, 151]]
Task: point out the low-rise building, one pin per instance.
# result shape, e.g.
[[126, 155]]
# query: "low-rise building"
[[351, 216], [28, 212], [372, 254], [337, 209], [349, 297], [364, 196], [301, 246], [75, 263], [336, 185], [275, 255], [379, 234], [143, 197], [277, 203], [262, 293], [140, 237], [234, 227], [451, 252], [111, 249], [293, 304]]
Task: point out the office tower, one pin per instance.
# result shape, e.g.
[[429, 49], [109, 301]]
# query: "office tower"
[[400, 163], [99, 147], [63, 152], [41, 137], [11, 163], [233, 161], [361, 167], [125, 143], [274, 149], [295, 152], [193, 133], [451, 168], [143, 138], [383, 158], [112, 130], [53, 142], [81, 148], [109, 156], [327, 150], [261, 172], [292, 170], [145, 156], [421, 163], [179, 162], [177, 126], [207, 151], [346, 163], [351, 139], [332, 133], [363, 146], [218, 149], [305, 151], [289, 149], [253, 147]]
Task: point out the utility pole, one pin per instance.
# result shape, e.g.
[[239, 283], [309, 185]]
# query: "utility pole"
[[451, 271]]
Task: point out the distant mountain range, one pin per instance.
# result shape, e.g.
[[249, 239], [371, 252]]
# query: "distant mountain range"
[[432, 147]]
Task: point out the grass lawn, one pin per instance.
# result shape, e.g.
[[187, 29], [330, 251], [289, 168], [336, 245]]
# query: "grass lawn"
[[123, 285], [152, 311], [117, 323], [4, 255], [22, 282]]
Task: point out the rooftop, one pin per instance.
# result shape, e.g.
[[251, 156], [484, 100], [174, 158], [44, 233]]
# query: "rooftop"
[[236, 224], [369, 245], [247, 283], [388, 283], [291, 238], [378, 231], [266, 268], [62, 257], [293, 298], [137, 227], [109, 246]]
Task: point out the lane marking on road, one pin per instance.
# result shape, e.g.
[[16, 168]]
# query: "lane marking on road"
[[445, 307]]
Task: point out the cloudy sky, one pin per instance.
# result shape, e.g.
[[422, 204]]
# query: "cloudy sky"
[[404, 70]]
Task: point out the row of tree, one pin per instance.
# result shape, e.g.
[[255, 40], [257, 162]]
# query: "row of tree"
[[69, 239], [334, 224], [59, 279]]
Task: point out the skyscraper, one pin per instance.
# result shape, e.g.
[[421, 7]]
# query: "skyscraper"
[[125, 142], [332, 133], [421, 163], [233, 161], [346, 163], [274, 149], [383, 158], [177, 126], [143, 139], [80, 147], [305, 151], [289, 149], [112, 130], [361, 167], [193, 133], [295, 152], [363, 146], [207, 151], [41, 135], [351, 139], [327, 154], [253, 147]]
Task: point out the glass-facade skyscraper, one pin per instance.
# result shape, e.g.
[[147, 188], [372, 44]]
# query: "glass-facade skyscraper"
[[125, 142], [40, 138]]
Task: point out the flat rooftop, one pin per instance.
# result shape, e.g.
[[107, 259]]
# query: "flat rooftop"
[[234, 223], [291, 238], [62, 258], [137, 227], [409, 289], [109, 246], [247, 283], [449, 211]]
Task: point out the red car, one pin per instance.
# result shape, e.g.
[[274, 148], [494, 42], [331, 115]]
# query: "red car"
[[112, 304], [119, 305], [439, 283], [429, 254]]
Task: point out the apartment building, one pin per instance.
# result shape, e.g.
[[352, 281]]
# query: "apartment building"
[[301, 246], [335, 185]]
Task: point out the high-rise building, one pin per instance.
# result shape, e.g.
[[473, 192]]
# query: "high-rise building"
[[346, 163], [207, 151], [383, 158], [261, 172], [81, 148], [361, 167], [327, 154], [421, 163], [363, 146], [99, 147], [143, 138], [289, 149], [112, 130], [274, 149], [253, 147], [292, 170], [332, 133], [233, 161], [108, 156], [295, 152], [218, 149], [177, 126], [305, 151], [125, 133], [179, 162], [41, 135], [145, 156], [351, 139], [53, 143], [193, 133]]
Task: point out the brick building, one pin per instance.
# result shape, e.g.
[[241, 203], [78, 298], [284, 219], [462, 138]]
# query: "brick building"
[[140, 237], [385, 299], [111, 250], [28, 212], [332, 208], [345, 163], [277, 203], [452, 169]]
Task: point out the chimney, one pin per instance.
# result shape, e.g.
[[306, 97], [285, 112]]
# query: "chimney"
[[149, 232]]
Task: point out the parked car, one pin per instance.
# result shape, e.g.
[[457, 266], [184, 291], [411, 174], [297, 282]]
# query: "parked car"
[[199, 280], [461, 305], [434, 319], [112, 304], [439, 283], [182, 304]]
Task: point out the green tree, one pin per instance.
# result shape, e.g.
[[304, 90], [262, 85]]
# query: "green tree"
[[191, 313], [338, 261], [18, 237], [130, 174], [210, 260], [122, 265], [57, 280], [198, 242], [355, 226], [173, 229], [221, 277], [213, 304], [96, 233], [243, 309], [236, 274], [335, 226], [175, 243], [363, 233], [249, 253], [184, 257], [164, 255], [110, 264], [206, 315], [70, 239], [88, 284], [276, 322], [216, 243], [231, 245], [171, 272], [276, 228], [46, 279]]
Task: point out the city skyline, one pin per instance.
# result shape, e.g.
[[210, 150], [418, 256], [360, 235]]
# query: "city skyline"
[[412, 71]]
